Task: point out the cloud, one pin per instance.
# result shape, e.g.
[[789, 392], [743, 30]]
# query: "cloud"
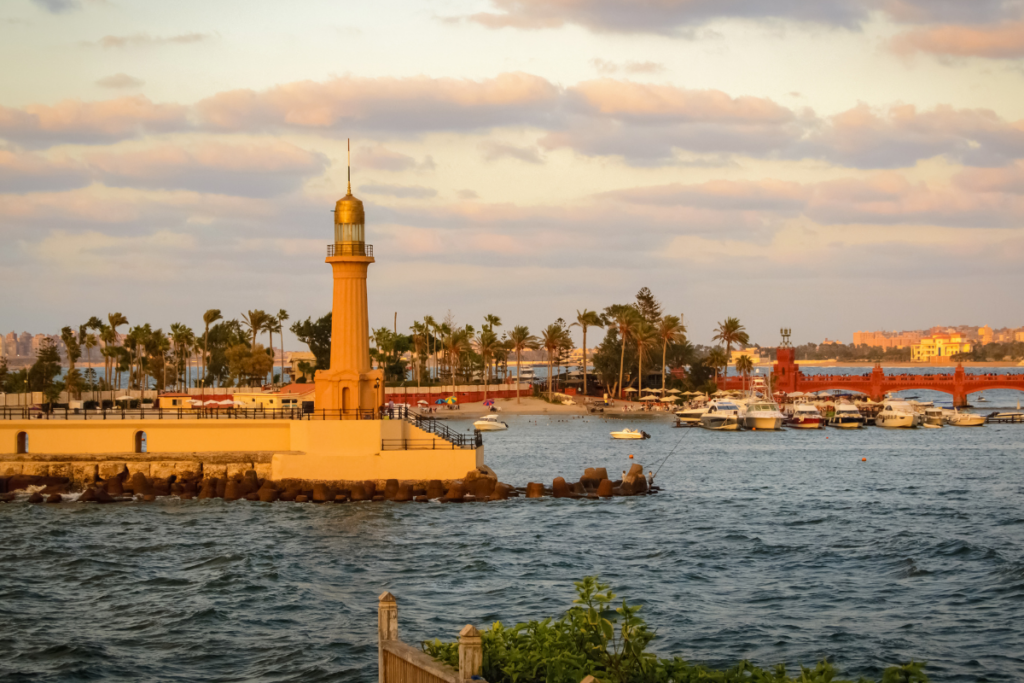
[[22, 172], [120, 80], [400, 191], [379, 158], [397, 105], [256, 169], [882, 198], [74, 121], [146, 40], [646, 123], [467, 194], [1001, 41], [607, 67], [681, 17], [496, 150], [1008, 180], [58, 6], [900, 136]]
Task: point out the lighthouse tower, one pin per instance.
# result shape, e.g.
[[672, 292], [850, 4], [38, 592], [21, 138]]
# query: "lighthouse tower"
[[350, 384]]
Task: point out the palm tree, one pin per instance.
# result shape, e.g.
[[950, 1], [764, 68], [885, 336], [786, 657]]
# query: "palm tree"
[[551, 340], [116, 320], [670, 330], [282, 318], [419, 342], [716, 359], [583, 321], [177, 341], [626, 320], [456, 345], [255, 322], [486, 345], [210, 317], [520, 340], [644, 338], [430, 327], [731, 332], [274, 325], [744, 366]]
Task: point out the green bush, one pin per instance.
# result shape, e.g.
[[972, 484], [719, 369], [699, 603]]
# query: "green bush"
[[593, 639]]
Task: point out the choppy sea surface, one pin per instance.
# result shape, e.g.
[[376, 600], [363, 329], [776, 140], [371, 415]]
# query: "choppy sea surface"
[[775, 547]]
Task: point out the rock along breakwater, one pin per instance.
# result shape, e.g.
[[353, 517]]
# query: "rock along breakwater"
[[477, 485]]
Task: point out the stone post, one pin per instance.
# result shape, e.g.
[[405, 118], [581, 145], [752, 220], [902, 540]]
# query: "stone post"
[[471, 653], [387, 627]]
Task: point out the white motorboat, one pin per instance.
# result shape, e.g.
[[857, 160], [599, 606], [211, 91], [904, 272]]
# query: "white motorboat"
[[805, 416], [958, 419], [761, 414], [934, 416], [898, 415], [691, 415], [847, 416], [721, 416], [490, 423], [630, 434]]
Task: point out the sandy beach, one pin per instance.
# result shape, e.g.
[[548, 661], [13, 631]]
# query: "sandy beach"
[[530, 405]]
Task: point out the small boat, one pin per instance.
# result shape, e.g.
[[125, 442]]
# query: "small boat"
[[721, 416], [490, 423], [981, 399], [805, 416], [898, 415], [958, 419], [691, 415], [847, 416], [934, 416], [762, 415], [630, 434]]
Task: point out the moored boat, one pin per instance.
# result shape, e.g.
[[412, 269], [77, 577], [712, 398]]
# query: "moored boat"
[[630, 434], [958, 419], [691, 415], [490, 423], [898, 415], [846, 416], [805, 416], [761, 414], [721, 416]]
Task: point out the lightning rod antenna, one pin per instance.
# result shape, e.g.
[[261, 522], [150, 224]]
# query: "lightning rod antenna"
[[349, 142]]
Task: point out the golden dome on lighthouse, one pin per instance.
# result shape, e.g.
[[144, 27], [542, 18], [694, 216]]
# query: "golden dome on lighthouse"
[[349, 210], [349, 217]]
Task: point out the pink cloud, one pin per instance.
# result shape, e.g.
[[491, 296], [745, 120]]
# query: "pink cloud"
[[22, 172], [1000, 41], [1009, 179], [242, 169], [393, 104], [89, 122]]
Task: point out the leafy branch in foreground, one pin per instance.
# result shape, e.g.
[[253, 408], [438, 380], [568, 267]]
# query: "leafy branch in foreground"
[[594, 639]]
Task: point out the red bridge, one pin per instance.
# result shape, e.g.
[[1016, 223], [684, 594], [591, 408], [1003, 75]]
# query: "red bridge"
[[787, 378]]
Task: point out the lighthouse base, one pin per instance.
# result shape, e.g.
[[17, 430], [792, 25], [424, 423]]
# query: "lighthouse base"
[[347, 390]]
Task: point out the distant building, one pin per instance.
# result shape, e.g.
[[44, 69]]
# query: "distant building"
[[938, 347], [830, 342], [25, 345], [886, 340], [753, 352], [985, 334], [11, 344]]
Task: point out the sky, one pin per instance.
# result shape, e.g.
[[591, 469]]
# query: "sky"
[[823, 165]]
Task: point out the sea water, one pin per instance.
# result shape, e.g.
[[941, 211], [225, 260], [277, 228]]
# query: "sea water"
[[769, 546]]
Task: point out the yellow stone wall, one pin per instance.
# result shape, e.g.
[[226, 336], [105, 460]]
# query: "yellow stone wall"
[[316, 450]]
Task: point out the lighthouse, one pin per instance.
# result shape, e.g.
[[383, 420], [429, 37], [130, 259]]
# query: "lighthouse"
[[350, 384]]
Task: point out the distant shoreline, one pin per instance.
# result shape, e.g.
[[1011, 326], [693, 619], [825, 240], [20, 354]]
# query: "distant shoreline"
[[897, 364]]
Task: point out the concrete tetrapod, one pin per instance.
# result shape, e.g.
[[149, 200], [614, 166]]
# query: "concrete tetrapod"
[[604, 489], [455, 493], [435, 489], [500, 492], [403, 494], [534, 490], [390, 489]]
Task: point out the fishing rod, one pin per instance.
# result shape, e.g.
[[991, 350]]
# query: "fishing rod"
[[670, 454]]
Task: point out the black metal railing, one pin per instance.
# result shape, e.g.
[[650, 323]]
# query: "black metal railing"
[[349, 249], [466, 441], [435, 426], [22, 413]]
